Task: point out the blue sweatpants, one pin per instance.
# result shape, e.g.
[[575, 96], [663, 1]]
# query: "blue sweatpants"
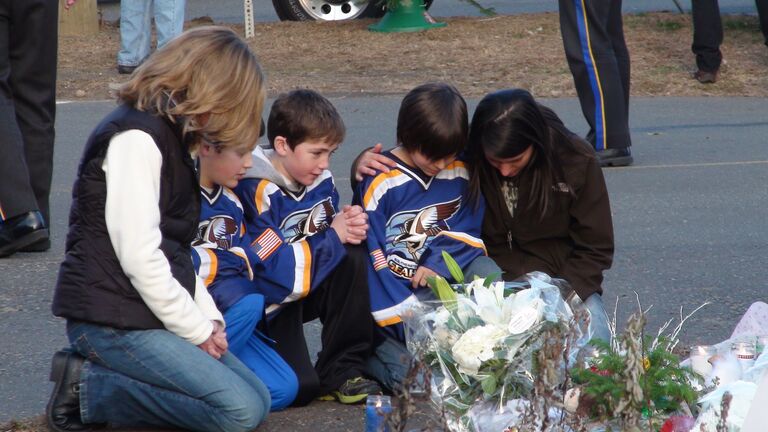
[[253, 349]]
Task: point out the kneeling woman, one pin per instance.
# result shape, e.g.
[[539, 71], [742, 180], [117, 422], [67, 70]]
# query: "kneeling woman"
[[547, 206], [148, 344]]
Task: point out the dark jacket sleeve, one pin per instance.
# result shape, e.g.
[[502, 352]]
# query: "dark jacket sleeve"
[[591, 231]]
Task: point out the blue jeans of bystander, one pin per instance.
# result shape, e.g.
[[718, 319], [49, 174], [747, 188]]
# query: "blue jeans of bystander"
[[153, 378], [136, 27]]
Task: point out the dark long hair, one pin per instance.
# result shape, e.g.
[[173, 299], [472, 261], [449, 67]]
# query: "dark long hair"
[[505, 123]]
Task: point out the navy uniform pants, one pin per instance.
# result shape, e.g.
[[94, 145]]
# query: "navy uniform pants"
[[593, 37], [708, 32], [28, 43]]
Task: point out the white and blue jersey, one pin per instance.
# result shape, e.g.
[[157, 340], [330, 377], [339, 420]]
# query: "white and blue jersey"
[[289, 228], [221, 250], [412, 219]]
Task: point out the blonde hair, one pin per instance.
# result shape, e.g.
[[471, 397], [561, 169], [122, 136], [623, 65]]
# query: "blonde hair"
[[207, 80]]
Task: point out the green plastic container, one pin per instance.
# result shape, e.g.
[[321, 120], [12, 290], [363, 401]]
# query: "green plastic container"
[[405, 16]]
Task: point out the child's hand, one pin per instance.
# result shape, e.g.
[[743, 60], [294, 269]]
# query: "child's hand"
[[373, 160], [419, 278], [357, 223], [351, 225]]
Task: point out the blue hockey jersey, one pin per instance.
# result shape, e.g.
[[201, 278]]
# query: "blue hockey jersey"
[[289, 225], [221, 250], [412, 219]]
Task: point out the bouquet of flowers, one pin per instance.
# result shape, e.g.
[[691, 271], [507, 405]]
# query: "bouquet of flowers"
[[480, 340]]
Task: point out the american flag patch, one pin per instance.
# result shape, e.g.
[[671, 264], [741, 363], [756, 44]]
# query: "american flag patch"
[[266, 244], [379, 262]]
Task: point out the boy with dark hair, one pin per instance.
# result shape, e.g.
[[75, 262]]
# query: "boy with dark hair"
[[416, 210], [223, 260], [310, 262]]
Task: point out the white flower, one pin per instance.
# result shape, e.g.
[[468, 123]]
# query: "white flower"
[[476, 346], [445, 338]]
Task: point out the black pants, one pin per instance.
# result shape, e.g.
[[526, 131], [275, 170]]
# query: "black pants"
[[342, 303], [593, 37], [708, 32], [28, 42]]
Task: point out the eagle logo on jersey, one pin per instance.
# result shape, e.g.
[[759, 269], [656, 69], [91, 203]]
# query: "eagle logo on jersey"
[[305, 223], [410, 232], [219, 230]]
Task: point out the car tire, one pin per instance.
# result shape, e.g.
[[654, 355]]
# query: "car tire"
[[330, 10]]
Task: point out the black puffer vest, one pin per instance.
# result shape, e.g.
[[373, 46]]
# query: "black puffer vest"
[[92, 286]]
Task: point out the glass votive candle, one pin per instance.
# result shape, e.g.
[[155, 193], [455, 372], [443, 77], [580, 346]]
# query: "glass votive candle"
[[762, 341], [376, 409], [745, 353], [700, 355]]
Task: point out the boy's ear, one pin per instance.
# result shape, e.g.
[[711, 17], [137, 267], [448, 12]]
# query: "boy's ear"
[[205, 149], [280, 145]]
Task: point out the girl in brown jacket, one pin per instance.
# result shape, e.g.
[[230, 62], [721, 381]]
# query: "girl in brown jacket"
[[547, 206]]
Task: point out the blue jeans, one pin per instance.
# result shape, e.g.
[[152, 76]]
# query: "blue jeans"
[[599, 318], [136, 27], [153, 378], [482, 267], [389, 363], [254, 350]]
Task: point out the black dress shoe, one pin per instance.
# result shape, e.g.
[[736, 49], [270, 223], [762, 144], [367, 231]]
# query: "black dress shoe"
[[125, 70], [706, 77], [21, 231], [39, 246], [615, 157], [63, 410]]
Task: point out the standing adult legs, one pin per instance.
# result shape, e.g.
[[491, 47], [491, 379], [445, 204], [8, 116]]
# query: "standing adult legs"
[[27, 110], [169, 20], [592, 30], [135, 32], [33, 79], [762, 14], [707, 35]]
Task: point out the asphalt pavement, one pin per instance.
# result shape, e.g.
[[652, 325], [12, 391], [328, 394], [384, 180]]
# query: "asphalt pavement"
[[689, 217]]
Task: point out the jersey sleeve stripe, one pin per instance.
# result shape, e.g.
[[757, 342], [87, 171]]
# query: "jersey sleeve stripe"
[[393, 314], [259, 197], [465, 238], [212, 266], [302, 271], [306, 280], [375, 185], [241, 253]]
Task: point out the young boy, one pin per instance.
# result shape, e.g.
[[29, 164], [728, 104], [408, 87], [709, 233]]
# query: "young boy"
[[415, 211], [223, 260], [308, 265]]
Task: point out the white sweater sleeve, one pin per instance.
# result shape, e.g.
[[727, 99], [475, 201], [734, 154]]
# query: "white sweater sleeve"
[[205, 302], [132, 167]]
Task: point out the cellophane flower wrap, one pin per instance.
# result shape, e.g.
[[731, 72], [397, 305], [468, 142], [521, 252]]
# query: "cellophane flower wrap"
[[479, 341]]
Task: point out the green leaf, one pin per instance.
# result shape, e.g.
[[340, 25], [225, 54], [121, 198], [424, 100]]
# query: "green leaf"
[[489, 385], [453, 268], [493, 277]]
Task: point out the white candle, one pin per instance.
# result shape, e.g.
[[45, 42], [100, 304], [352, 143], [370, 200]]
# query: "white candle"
[[700, 355], [745, 353]]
